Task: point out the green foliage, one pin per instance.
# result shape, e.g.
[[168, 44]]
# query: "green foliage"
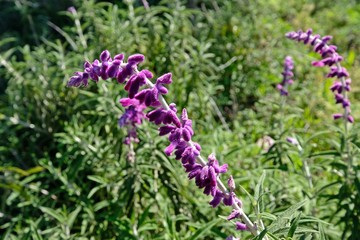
[[66, 174]]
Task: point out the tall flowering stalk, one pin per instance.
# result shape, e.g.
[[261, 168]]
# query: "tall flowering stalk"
[[283, 86], [340, 87], [332, 59], [142, 94], [287, 76]]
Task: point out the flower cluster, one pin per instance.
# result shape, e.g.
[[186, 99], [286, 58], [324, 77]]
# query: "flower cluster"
[[142, 94], [287, 76], [332, 59], [134, 114]]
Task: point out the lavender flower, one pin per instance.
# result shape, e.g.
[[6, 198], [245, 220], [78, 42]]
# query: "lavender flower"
[[241, 226], [293, 141], [230, 198], [72, 9], [287, 76], [332, 59], [80, 78], [142, 94], [133, 116]]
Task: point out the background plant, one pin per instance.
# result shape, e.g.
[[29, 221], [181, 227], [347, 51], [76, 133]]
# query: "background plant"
[[227, 58]]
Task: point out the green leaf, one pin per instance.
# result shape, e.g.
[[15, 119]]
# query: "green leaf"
[[200, 233], [285, 216], [261, 235], [34, 231], [21, 171], [259, 192], [293, 226], [144, 215], [53, 214], [97, 179], [72, 216], [101, 205]]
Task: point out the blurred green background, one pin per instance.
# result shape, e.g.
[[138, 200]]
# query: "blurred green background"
[[64, 172]]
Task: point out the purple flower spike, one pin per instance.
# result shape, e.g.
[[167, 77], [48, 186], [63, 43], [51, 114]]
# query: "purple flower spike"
[[332, 59], [287, 75], [178, 130]]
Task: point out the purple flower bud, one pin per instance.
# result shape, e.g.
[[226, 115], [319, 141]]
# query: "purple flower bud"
[[105, 56], [119, 57], [80, 78], [345, 103], [96, 67], [337, 86], [189, 155], [215, 164], [165, 79], [339, 98], [87, 64], [164, 130], [103, 70], [149, 97], [337, 116], [124, 73], [293, 141], [234, 214], [72, 9], [241, 226], [336, 72], [113, 70], [147, 73], [229, 199], [136, 58], [232, 238], [169, 149], [217, 199], [134, 83]]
